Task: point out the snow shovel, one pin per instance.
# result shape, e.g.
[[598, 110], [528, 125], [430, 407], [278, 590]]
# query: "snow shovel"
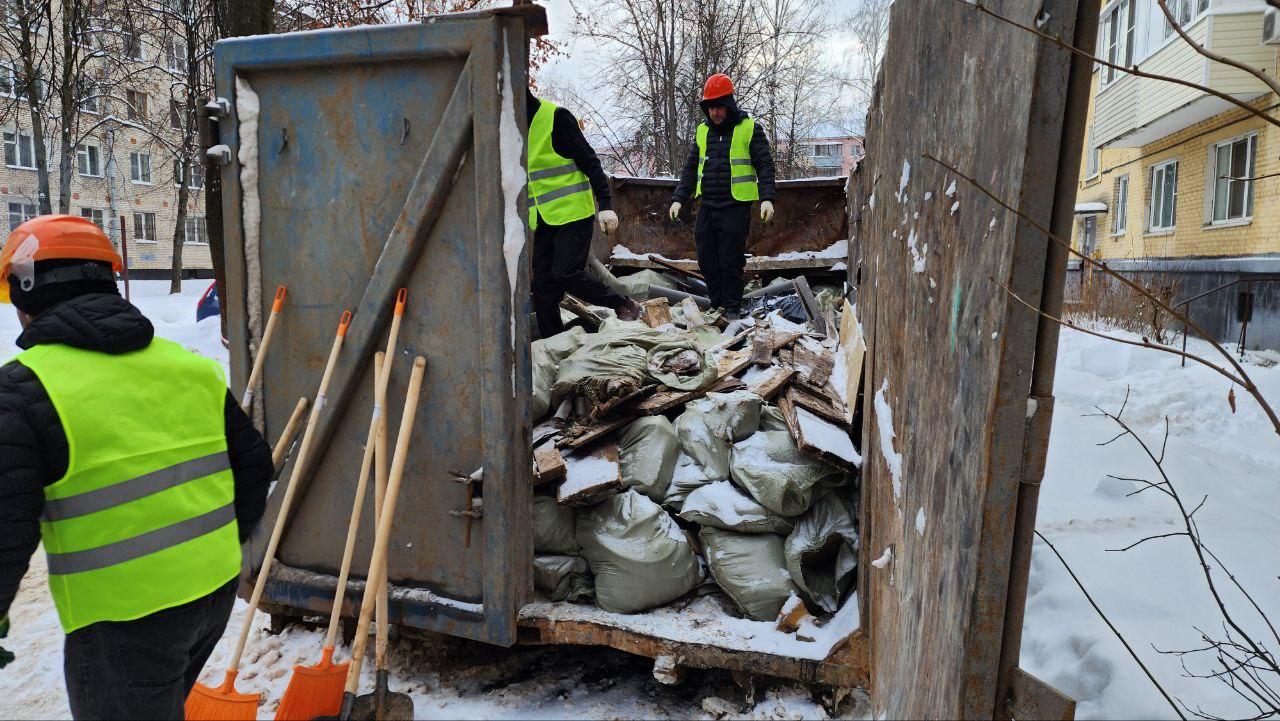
[[256, 373], [206, 703], [378, 563]]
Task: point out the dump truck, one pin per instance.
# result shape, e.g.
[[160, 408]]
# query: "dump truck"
[[358, 161]]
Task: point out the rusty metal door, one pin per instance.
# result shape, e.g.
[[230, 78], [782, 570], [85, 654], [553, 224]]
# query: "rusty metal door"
[[381, 159], [959, 372]]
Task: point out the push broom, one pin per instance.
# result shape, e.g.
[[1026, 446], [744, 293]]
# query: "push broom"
[[317, 690], [224, 703]]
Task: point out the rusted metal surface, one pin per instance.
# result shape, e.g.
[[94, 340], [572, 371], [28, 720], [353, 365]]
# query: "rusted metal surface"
[[809, 216], [1031, 698], [950, 356], [383, 181]]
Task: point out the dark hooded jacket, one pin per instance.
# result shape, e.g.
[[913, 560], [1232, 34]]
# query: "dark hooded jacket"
[[716, 191], [567, 140], [33, 445]]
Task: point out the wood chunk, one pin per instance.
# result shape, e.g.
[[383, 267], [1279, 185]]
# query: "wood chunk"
[[811, 307], [677, 268], [728, 385], [656, 312], [772, 382], [762, 347], [581, 436], [793, 614], [817, 366], [816, 402], [819, 437], [854, 348], [610, 405], [580, 309], [732, 341], [731, 363], [548, 464], [591, 476]]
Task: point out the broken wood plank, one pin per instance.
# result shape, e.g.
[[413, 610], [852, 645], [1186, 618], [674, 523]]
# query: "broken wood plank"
[[577, 437], [762, 347], [815, 365], [732, 341], [655, 312], [772, 381], [730, 364], [817, 402], [580, 309], [610, 405], [819, 437], [854, 349], [548, 464], [591, 476], [673, 267], [811, 306], [793, 614]]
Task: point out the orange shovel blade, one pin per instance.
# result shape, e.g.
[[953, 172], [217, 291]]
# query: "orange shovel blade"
[[222, 703], [314, 690]]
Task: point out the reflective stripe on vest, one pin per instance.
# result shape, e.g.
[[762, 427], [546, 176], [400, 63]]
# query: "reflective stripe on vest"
[[144, 518], [559, 193], [742, 174]]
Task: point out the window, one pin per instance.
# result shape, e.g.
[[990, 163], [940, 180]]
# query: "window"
[[140, 168], [1089, 235], [196, 232], [137, 101], [90, 96], [1094, 157], [1120, 208], [195, 178], [1184, 11], [177, 111], [19, 150], [97, 215], [9, 11], [20, 213], [1117, 38], [132, 45], [1164, 196], [1232, 160], [144, 227], [175, 55], [13, 84], [827, 150], [89, 160]]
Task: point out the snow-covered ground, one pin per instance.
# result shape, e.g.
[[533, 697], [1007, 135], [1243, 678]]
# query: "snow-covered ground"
[[1152, 593]]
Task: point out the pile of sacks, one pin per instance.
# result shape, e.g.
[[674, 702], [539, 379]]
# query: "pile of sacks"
[[716, 496]]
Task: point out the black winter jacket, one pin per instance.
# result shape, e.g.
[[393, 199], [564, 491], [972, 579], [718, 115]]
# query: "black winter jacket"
[[716, 192], [33, 445], [567, 140]]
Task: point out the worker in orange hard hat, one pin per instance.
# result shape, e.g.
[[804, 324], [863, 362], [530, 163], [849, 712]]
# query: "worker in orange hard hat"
[[126, 456], [729, 166]]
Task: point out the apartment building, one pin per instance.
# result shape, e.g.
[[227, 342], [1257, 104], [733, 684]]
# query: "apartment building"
[[833, 153], [126, 165], [1179, 186]]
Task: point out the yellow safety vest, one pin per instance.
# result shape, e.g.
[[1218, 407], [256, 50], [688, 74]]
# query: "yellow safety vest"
[[559, 193], [742, 175], [144, 518]]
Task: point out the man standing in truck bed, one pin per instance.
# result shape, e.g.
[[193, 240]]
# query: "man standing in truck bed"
[[729, 166], [566, 184]]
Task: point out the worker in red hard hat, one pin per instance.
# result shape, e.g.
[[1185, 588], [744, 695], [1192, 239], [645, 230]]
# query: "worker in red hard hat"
[[127, 457], [729, 166]]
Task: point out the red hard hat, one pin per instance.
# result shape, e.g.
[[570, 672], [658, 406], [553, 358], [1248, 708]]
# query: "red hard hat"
[[51, 237], [718, 86]]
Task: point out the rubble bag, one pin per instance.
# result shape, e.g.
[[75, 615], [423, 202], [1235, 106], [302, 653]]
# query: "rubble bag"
[[722, 505], [687, 477], [546, 354], [563, 578], [822, 550], [751, 569], [618, 350], [774, 471], [681, 366], [647, 453], [771, 419], [639, 556], [637, 284], [709, 426], [554, 527]]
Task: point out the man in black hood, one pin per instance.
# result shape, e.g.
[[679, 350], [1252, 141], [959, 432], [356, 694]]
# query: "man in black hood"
[[730, 166]]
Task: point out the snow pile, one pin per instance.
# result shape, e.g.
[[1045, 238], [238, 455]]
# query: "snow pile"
[[513, 181]]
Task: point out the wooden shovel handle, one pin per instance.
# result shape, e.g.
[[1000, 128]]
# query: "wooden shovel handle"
[[267, 332], [378, 563], [285, 440], [287, 503]]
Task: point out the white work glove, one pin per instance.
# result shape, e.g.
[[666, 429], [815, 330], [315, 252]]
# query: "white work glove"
[[766, 210], [608, 221], [674, 212]]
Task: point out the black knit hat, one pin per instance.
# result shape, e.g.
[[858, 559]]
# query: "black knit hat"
[[61, 280]]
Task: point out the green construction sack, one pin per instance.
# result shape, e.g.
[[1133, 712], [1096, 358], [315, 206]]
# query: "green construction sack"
[[710, 425], [554, 527], [563, 578], [680, 365], [546, 354], [637, 284], [647, 453], [618, 350], [770, 467], [638, 554], [721, 505], [751, 569], [822, 550], [771, 419], [687, 477]]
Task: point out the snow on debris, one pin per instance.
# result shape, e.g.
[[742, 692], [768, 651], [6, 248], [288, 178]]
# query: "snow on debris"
[[827, 436], [838, 249], [884, 419], [921, 519], [884, 558], [951, 190], [906, 178], [917, 257], [955, 207]]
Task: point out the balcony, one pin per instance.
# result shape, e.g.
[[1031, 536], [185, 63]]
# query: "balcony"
[[1133, 112], [827, 161]]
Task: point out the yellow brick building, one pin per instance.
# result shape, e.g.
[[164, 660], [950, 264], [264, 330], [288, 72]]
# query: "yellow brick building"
[[1176, 181]]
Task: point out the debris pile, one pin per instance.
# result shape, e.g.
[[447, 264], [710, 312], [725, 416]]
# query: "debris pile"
[[687, 454]]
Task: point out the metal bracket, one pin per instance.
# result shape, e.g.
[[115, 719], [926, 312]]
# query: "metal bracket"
[[218, 108], [474, 510], [219, 155]]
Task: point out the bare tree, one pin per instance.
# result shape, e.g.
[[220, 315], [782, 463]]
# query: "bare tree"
[[868, 29]]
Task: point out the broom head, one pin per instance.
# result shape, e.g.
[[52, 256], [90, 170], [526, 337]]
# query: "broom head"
[[314, 690], [222, 703]]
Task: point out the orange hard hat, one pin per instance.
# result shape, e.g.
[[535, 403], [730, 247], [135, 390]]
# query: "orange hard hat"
[[52, 237], [718, 86]]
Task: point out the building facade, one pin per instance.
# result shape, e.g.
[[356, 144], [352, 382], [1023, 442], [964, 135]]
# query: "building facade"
[[833, 155], [126, 163], [1179, 186]]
